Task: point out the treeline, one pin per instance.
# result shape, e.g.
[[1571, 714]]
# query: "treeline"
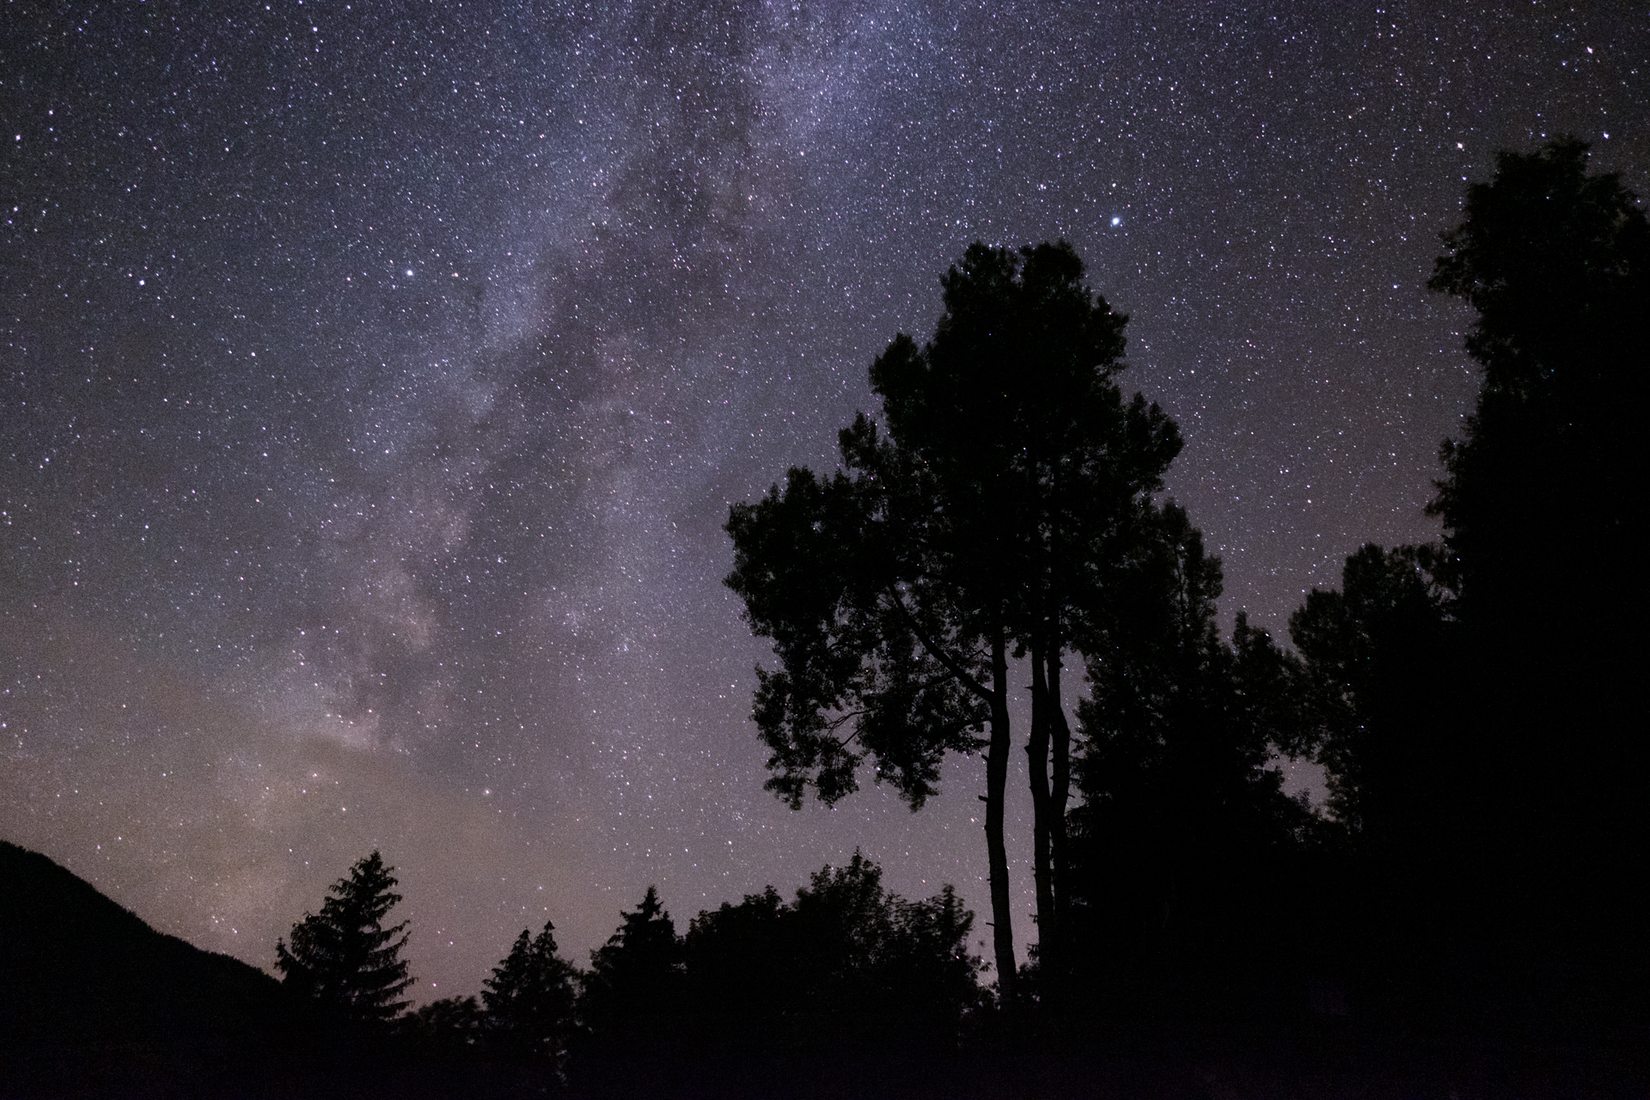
[[757, 997]]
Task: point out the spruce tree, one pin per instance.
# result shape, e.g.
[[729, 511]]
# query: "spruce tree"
[[638, 972], [530, 997], [346, 957], [632, 1006]]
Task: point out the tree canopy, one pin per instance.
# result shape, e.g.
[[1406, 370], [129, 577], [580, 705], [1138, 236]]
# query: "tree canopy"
[[977, 525], [1468, 700], [1184, 842], [845, 962], [632, 1000], [1555, 263]]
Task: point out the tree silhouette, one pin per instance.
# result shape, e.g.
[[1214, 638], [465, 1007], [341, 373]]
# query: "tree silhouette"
[[1184, 838], [531, 998], [747, 970], [847, 972], [451, 1025], [977, 529], [1376, 692], [931, 965], [346, 957], [1471, 702], [1547, 588], [885, 963], [1556, 264], [1017, 393], [1370, 651], [632, 1001]]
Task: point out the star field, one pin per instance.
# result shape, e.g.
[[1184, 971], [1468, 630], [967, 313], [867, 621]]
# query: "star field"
[[375, 379]]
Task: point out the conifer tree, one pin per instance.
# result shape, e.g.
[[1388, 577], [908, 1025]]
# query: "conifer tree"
[[1545, 574], [638, 971], [530, 997], [346, 956], [632, 1004]]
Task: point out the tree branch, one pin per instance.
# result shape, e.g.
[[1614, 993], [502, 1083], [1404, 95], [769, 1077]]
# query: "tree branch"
[[947, 660]]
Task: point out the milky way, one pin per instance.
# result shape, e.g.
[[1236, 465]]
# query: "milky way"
[[375, 379]]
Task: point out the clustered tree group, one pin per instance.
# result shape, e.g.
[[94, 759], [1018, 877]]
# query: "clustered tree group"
[[752, 993], [1468, 700], [1001, 524]]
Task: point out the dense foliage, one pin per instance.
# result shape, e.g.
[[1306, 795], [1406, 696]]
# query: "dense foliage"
[[346, 957], [977, 524]]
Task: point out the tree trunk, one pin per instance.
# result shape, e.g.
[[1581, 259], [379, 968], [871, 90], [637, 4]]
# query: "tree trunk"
[[1060, 791], [1037, 750], [996, 786]]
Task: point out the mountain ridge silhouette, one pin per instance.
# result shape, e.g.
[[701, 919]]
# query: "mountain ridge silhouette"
[[96, 999]]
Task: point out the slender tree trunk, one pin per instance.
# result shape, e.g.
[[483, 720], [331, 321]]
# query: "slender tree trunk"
[[1037, 750], [996, 787], [1059, 792]]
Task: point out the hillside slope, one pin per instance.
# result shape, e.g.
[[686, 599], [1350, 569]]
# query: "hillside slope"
[[94, 1000]]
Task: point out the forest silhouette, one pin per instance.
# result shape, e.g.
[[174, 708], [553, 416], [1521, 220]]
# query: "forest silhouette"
[[1460, 916]]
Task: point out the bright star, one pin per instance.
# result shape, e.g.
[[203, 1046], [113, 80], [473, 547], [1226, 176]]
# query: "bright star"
[[1116, 220]]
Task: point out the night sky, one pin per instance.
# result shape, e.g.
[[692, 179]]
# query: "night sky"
[[375, 379]]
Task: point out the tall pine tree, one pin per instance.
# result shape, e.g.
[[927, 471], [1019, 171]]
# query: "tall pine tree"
[[346, 956], [531, 998], [631, 1007]]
